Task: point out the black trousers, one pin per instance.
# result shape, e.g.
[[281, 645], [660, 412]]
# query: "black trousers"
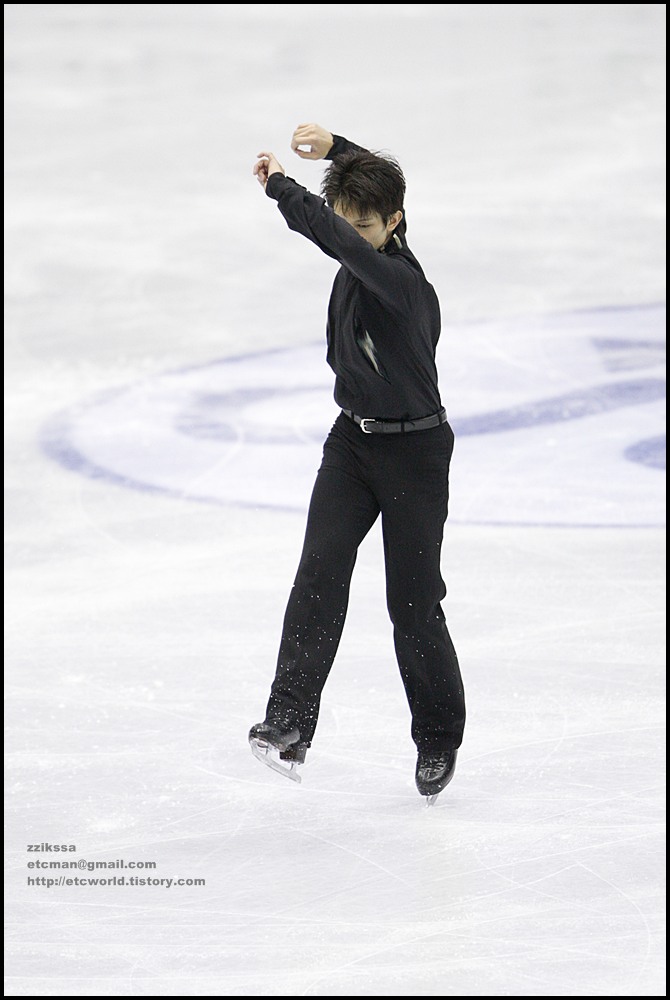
[[405, 477]]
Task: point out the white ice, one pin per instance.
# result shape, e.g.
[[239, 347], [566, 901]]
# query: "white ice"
[[166, 398]]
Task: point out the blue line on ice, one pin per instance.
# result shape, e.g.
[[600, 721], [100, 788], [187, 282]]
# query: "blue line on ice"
[[551, 427]]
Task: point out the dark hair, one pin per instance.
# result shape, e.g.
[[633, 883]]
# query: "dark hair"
[[365, 182]]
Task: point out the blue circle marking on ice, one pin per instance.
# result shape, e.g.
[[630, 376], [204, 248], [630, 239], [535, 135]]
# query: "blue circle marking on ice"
[[556, 419], [650, 452]]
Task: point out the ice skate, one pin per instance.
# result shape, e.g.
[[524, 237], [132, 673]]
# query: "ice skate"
[[434, 771], [277, 745]]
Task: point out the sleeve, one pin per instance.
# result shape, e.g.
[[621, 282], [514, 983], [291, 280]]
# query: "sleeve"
[[342, 145], [390, 278]]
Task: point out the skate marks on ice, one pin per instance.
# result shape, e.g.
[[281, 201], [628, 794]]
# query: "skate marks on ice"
[[564, 413], [522, 880]]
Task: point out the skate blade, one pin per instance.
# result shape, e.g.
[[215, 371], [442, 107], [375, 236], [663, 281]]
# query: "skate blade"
[[430, 800], [263, 751]]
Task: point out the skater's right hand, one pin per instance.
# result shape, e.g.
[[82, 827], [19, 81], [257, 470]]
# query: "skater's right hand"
[[267, 165], [318, 139]]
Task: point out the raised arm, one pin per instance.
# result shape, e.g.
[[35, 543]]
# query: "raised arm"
[[391, 278]]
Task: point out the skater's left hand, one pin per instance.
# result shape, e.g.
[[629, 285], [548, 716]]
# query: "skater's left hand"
[[317, 139], [267, 165]]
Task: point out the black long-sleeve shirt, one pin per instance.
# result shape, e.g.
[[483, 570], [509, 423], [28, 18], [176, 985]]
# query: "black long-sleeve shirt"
[[383, 315]]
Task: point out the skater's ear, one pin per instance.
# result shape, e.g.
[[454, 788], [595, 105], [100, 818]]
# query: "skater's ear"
[[394, 220]]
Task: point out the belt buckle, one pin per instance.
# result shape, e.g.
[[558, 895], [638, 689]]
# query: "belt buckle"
[[364, 421]]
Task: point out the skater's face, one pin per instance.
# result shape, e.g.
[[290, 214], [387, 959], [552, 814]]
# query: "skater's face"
[[371, 226]]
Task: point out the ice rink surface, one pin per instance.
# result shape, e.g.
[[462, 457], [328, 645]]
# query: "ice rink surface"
[[166, 397]]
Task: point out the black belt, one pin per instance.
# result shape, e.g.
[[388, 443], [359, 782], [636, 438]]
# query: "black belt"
[[371, 425]]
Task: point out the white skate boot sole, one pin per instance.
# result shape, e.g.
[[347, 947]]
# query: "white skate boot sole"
[[264, 751]]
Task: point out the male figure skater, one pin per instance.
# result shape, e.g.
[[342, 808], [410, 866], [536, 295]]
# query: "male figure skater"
[[387, 453]]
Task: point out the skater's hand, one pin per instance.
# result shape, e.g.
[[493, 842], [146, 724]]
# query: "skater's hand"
[[316, 138], [267, 165]]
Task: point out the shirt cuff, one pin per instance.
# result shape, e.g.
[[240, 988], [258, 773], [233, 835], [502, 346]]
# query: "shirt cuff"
[[339, 146], [275, 185]]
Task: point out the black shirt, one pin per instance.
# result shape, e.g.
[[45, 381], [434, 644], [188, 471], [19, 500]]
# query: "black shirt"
[[383, 315]]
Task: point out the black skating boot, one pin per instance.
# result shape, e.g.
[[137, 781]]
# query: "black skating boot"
[[434, 771], [279, 733], [278, 737], [296, 752]]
